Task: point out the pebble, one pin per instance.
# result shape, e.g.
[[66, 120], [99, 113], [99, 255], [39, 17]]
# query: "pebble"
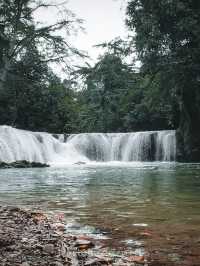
[[59, 226], [98, 261], [56, 263], [138, 259], [49, 248], [84, 244], [43, 244], [25, 264]]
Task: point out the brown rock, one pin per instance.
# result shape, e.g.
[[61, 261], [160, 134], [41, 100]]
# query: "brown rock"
[[84, 244], [137, 259], [146, 234]]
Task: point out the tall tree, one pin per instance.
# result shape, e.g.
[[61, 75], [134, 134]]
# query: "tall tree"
[[105, 84], [116, 98], [36, 99], [31, 96], [167, 40], [18, 26]]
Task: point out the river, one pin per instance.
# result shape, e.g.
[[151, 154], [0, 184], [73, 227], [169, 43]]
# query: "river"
[[117, 196]]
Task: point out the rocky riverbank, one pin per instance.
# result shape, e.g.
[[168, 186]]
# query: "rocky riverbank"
[[22, 164], [31, 238]]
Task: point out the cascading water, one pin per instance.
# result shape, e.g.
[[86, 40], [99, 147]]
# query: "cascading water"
[[18, 144], [139, 146]]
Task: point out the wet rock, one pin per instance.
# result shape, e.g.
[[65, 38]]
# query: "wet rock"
[[84, 237], [60, 217], [22, 164], [58, 226], [25, 264], [174, 257], [56, 263], [145, 234], [31, 236], [49, 248], [100, 260], [84, 244], [137, 259], [5, 242], [38, 217], [80, 163]]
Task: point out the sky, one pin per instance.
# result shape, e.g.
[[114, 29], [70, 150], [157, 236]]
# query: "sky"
[[103, 20]]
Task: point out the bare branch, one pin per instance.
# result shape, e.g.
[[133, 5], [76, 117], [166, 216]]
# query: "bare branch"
[[43, 5]]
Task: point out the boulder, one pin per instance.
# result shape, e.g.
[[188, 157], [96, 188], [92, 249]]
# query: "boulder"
[[22, 164]]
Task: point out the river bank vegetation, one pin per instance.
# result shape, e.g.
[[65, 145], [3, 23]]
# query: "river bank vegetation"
[[112, 95]]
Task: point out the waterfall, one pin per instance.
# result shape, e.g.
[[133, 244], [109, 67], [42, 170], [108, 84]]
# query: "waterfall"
[[18, 144], [138, 146]]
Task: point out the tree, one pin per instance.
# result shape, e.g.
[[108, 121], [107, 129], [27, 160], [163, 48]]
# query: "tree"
[[105, 84], [116, 98], [19, 27], [167, 40], [31, 96], [36, 99]]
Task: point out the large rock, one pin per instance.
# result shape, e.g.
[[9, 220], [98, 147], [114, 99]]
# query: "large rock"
[[22, 164]]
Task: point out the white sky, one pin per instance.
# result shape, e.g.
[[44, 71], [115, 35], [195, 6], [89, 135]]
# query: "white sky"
[[103, 21]]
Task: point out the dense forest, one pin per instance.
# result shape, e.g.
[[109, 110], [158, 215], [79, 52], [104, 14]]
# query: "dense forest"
[[112, 95]]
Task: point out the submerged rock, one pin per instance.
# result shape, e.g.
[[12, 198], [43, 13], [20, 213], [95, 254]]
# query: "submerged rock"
[[80, 163], [22, 164]]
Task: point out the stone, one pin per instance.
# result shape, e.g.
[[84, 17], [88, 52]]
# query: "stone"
[[98, 261], [25, 264], [137, 259], [59, 226], [84, 237], [56, 263], [80, 163], [22, 164], [145, 234], [5, 242], [84, 244], [49, 248]]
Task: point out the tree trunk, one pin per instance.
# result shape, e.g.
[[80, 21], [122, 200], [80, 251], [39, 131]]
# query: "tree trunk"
[[3, 74]]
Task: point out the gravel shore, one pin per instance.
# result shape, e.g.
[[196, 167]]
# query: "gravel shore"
[[31, 238]]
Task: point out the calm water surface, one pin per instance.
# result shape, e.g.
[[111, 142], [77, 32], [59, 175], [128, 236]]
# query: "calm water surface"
[[116, 196]]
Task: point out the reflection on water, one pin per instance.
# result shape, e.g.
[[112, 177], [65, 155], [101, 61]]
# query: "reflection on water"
[[113, 195]]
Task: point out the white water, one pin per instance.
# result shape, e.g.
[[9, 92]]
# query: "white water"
[[18, 144]]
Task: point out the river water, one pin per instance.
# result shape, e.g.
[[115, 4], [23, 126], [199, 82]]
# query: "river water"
[[117, 196]]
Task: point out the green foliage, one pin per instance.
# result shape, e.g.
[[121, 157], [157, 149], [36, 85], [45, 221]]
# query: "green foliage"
[[36, 99], [31, 96], [168, 42], [116, 99], [112, 96]]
